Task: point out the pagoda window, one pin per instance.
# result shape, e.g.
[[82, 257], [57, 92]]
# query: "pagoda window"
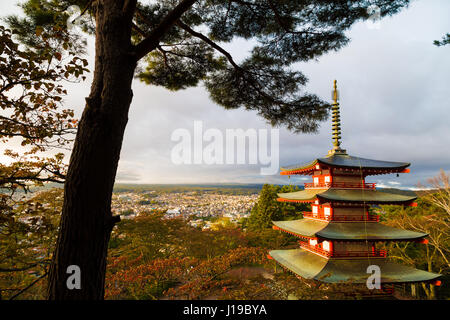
[[326, 245], [316, 181], [313, 242], [315, 209], [327, 179], [327, 211]]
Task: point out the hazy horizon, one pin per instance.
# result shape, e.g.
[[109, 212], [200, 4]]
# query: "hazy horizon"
[[394, 100]]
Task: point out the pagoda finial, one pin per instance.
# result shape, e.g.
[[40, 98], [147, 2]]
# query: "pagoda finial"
[[336, 123], [335, 92], [336, 118]]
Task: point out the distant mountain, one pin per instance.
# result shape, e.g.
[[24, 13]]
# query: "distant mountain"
[[422, 193], [399, 191], [216, 187], [219, 188]]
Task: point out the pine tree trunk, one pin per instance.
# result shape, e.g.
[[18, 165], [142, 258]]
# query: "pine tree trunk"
[[86, 221]]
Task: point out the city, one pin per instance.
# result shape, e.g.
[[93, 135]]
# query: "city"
[[200, 207]]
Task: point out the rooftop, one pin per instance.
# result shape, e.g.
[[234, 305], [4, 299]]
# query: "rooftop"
[[344, 231], [338, 157], [311, 266], [345, 195], [346, 161]]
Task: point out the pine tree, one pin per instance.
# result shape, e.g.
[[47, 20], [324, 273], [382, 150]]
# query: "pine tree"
[[179, 44], [268, 209]]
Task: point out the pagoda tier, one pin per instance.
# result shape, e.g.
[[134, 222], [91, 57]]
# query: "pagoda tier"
[[346, 164], [309, 265], [344, 231], [340, 196], [339, 236]]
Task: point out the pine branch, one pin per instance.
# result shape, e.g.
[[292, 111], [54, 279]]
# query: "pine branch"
[[208, 41], [151, 42]]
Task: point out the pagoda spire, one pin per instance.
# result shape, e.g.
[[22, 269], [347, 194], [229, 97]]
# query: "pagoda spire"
[[339, 235], [336, 123]]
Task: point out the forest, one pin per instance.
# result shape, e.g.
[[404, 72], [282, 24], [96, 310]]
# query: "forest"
[[152, 257]]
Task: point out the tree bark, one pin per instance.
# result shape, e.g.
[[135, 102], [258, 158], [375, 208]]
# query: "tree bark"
[[86, 221]]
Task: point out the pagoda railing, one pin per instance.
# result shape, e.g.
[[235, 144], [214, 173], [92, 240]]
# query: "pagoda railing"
[[321, 216], [347, 185], [343, 254], [316, 216], [354, 254], [315, 249], [370, 218]]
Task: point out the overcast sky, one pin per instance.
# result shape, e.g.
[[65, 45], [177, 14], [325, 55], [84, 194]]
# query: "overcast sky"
[[394, 97]]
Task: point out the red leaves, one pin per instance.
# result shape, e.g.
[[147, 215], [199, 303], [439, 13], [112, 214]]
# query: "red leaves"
[[168, 258], [58, 56], [206, 276], [133, 277], [39, 31]]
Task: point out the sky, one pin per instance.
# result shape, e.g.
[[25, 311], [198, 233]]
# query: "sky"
[[394, 99]]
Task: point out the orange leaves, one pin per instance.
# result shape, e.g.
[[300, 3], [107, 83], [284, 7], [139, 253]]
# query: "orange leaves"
[[39, 31], [58, 56], [27, 240], [33, 110], [133, 278], [206, 276], [168, 258]]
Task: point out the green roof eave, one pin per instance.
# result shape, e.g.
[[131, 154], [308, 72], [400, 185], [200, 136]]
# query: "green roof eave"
[[364, 195], [357, 231], [339, 160], [303, 227], [303, 195], [299, 261], [311, 266], [299, 166], [347, 231], [346, 161], [350, 195]]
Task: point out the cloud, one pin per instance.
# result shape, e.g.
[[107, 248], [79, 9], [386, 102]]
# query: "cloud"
[[394, 101], [127, 176]]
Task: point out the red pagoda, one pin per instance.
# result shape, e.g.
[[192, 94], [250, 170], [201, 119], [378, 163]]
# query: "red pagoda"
[[339, 237]]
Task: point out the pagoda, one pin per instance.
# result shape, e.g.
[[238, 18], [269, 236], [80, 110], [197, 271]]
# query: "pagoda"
[[339, 237]]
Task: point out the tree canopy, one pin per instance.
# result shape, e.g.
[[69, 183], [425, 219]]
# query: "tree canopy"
[[181, 43], [268, 209], [445, 40]]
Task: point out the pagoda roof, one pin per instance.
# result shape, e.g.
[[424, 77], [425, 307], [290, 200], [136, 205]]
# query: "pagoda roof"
[[347, 231], [350, 195], [303, 195], [301, 227], [346, 161], [311, 266]]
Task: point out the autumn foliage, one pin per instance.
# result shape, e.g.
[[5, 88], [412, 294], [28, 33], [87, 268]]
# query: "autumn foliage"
[[176, 278], [32, 115]]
